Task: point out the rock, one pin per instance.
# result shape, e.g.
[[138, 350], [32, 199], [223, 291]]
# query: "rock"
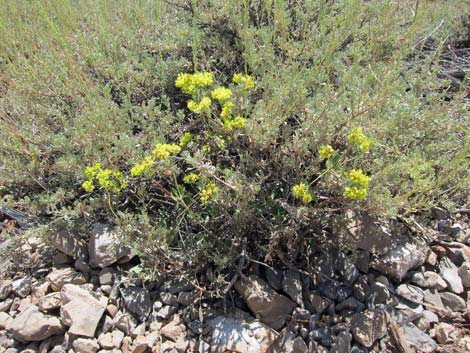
[[450, 273], [426, 320], [229, 334], [287, 344], [428, 279], [361, 288], [458, 253], [165, 312], [343, 292], [350, 304], [84, 345], [137, 301], [169, 299], [61, 259], [409, 292], [32, 325], [348, 272], [431, 296], [274, 278], [453, 302], [398, 261], [4, 320], [107, 276], [105, 247], [369, 326], [379, 293], [464, 273], [140, 344], [106, 341], [39, 289], [118, 337], [270, 307], [417, 339], [69, 243], [317, 303], [187, 298], [445, 333], [6, 305], [322, 335], [410, 310], [174, 330], [125, 322], [50, 301], [292, 286], [112, 310], [342, 343], [82, 266], [178, 285], [81, 310], [58, 278], [362, 261], [22, 287], [431, 259], [5, 288]]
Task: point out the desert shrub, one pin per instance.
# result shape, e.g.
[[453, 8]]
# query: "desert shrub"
[[213, 128]]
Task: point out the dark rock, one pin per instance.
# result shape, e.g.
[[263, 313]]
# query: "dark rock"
[[328, 289], [369, 326], [343, 292], [342, 343], [274, 278], [379, 293], [361, 288], [292, 286], [317, 303], [137, 301]]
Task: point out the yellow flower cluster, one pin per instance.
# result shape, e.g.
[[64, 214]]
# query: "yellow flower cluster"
[[301, 191], [142, 167], [208, 192], [110, 180], [326, 151], [185, 139], [189, 82], [191, 178], [203, 106], [221, 94], [238, 122], [361, 141], [361, 181], [246, 80], [226, 111], [163, 151]]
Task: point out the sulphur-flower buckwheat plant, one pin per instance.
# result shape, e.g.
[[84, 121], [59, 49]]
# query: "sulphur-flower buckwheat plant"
[[108, 179], [189, 82], [246, 80], [208, 192], [221, 94], [326, 151], [191, 178], [203, 106], [361, 141], [142, 167], [163, 151], [301, 192], [360, 181], [186, 139]]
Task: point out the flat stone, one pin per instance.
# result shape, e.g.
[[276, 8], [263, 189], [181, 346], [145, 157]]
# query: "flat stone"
[[174, 330], [229, 334], [58, 278], [453, 301], [274, 278], [107, 276], [292, 286], [5, 288], [464, 273], [137, 301], [369, 326], [288, 344], [125, 322], [50, 301], [450, 273], [417, 339], [379, 293], [410, 292], [85, 345], [4, 320], [169, 299], [81, 310], [410, 310], [22, 287], [5, 305], [270, 307], [104, 246], [398, 261], [317, 303], [187, 298], [445, 333], [342, 343], [69, 243], [106, 341], [428, 279], [32, 325]]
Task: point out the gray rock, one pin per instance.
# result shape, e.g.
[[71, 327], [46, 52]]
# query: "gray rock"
[[292, 286], [82, 266], [81, 310], [233, 335], [22, 287], [328, 289], [410, 310], [274, 278], [369, 326], [289, 344], [6, 305], [379, 293], [350, 304], [125, 322], [427, 319], [84, 345], [362, 261], [59, 277], [272, 308], [104, 246], [165, 312], [464, 273], [409, 292], [169, 299], [317, 303], [445, 333], [342, 343], [450, 273], [69, 243], [187, 298], [428, 279], [458, 253], [398, 261], [347, 271], [452, 301], [4, 319], [361, 288], [174, 330], [32, 325], [417, 339], [175, 286], [107, 276], [137, 301], [5, 288], [50, 301], [431, 296]]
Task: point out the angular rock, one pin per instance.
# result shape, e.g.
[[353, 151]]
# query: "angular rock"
[[137, 301], [125, 322], [229, 334], [58, 278], [342, 343], [410, 310], [428, 279], [104, 246], [450, 274], [32, 325], [69, 243], [5, 288], [50, 301], [140, 344], [81, 310], [174, 330], [464, 273], [369, 326], [409, 292], [453, 301], [187, 298], [170, 299], [274, 278], [347, 271], [398, 261], [106, 341], [22, 287], [445, 333], [292, 286], [107, 276], [4, 320], [379, 293], [288, 344], [417, 339], [270, 307], [84, 345]]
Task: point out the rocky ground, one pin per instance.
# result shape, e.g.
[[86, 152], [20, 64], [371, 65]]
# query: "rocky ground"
[[396, 293]]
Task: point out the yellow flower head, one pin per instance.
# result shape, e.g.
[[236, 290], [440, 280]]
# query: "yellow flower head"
[[246, 80], [203, 106], [358, 177], [188, 82], [355, 193], [238, 122], [326, 151], [91, 171], [361, 141], [185, 139], [226, 111], [301, 191], [221, 94], [163, 151], [142, 167], [191, 178], [208, 192], [88, 186]]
